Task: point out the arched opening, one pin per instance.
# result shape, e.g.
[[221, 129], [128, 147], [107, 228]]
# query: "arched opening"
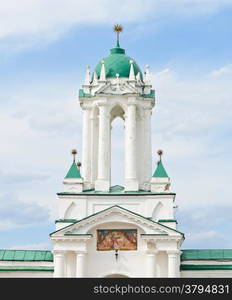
[[156, 211], [117, 146]]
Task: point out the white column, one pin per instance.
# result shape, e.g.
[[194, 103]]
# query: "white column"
[[131, 180], [86, 159], [94, 148], [80, 264], [147, 146], [173, 266], [103, 179], [58, 264], [151, 264], [70, 262]]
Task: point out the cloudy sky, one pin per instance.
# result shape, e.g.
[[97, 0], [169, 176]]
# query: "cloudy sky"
[[44, 49]]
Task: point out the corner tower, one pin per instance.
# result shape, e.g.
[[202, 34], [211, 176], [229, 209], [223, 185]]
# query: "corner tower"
[[117, 88]]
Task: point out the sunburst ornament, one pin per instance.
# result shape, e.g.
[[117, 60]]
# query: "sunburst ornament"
[[118, 28]]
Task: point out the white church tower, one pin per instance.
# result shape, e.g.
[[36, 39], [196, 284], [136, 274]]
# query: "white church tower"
[[105, 231]]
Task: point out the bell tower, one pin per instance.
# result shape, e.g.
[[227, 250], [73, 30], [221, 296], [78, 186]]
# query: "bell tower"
[[117, 88], [94, 218]]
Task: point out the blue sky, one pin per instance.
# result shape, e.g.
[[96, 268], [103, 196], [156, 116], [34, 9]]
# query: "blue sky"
[[44, 49]]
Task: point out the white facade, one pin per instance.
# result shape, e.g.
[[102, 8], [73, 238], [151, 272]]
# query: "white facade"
[[145, 204]]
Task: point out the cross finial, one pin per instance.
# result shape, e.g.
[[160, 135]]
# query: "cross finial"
[[160, 153], [118, 28], [74, 152]]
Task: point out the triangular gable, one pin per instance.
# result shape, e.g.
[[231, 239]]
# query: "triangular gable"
[[82, 227]]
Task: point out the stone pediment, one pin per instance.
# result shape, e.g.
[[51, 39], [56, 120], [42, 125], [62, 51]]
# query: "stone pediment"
[[116, 214], [117, 88]]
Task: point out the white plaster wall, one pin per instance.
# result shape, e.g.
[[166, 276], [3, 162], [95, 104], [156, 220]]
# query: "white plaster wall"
[[103, 263], [84, 206]]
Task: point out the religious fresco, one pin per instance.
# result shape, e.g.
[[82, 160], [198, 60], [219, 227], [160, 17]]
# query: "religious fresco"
[[113, 239]]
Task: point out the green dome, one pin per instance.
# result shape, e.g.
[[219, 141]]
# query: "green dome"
[[117, 62]]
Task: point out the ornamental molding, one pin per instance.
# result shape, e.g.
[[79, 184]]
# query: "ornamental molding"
[[118, 215]]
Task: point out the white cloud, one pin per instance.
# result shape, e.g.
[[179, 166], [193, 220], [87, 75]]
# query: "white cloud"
[[31, 22], [16, 213], [191, 122], [222, 71], [202, 236], [36, 246]]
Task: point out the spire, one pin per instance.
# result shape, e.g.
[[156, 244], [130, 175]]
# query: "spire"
[[87, 76], [160, 171], [147, 75], [132, 73], [95, 78], [160, 182], [103, 72], [118, 28], [74, 171], [138, 77]]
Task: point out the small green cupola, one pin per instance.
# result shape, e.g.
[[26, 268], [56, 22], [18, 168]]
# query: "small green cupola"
[[160, 171], [73, 181], [74, 171], [160, 181]]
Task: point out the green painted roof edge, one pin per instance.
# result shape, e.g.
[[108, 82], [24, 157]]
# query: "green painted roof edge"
[[155, 234], [78, 234], [167, 220], [205, 267], [73, 172], [206, 254], [26, 269], [66, 221], [120, 208], [151, 95], [82, 94], [160, 171], [116, 194]]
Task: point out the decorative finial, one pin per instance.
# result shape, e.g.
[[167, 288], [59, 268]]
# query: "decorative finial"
[[160, 153], [79, 164], [118, 28], [74, 152]]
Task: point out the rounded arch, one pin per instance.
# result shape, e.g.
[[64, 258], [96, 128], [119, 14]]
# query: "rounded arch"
[[156, 211], [117, 111]]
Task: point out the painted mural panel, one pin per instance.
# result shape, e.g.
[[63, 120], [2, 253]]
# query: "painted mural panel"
[[112, 239]]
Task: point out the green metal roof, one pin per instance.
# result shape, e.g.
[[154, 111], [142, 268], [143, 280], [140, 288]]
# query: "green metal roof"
[[117, 62], [160, 171], [73, 172], [206, 254], [26, 255]]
